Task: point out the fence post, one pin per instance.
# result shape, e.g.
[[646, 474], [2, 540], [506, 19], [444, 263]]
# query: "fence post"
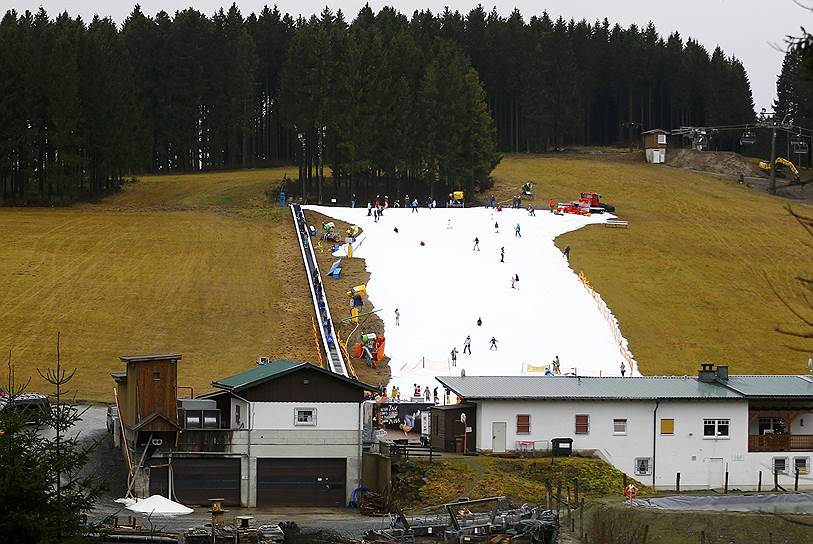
[[776, 479], [646, 534], [725, 489], [581, 519], [702, 537], [625, 479], [796, 480], [548, 493], [759, 485], [576, 490], [558, 496], [677, 482]]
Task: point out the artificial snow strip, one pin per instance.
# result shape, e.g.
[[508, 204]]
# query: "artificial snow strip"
[[516, 282]]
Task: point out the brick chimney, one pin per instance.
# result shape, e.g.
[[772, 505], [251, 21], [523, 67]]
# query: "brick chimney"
[[710, 374]]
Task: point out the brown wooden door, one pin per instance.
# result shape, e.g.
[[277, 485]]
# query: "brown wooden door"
[[301, 482], [195, 481]]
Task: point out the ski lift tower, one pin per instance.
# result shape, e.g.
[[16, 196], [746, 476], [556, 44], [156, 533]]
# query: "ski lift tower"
[[767, 119]]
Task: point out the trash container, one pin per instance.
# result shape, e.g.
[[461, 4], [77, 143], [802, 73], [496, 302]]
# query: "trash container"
[[561, 447], [458, 444]]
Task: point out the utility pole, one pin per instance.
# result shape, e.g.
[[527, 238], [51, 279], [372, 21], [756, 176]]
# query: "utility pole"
[[772, 182]]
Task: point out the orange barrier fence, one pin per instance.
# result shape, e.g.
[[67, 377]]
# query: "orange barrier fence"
[[316, 341], [626, 354]]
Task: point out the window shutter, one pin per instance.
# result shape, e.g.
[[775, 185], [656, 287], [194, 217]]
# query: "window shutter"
[[667, 426], [582, 424], [523, 424]]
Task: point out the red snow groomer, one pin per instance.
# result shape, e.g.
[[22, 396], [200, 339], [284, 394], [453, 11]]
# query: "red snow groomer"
[[588, 203]]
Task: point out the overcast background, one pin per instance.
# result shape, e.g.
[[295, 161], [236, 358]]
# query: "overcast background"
[[751, 30]]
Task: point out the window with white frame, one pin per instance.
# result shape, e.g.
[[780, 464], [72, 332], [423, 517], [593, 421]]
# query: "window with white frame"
[[716, 428], [619, 426], [237, 416], [802, 464], [304, 416], [780, 465], [643, 466]]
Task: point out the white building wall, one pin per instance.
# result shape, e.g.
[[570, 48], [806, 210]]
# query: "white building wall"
[[337, 434], [701, 462]]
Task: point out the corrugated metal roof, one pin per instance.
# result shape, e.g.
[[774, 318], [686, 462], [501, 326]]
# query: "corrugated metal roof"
[[772, 386], [151, 357], [644, 387], [274, 369], [259, 372]]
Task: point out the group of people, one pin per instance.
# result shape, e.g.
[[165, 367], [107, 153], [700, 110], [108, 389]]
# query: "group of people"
[[467, 346], [417, 393]]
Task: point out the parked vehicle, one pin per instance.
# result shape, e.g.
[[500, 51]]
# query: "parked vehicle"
[[32, 405]]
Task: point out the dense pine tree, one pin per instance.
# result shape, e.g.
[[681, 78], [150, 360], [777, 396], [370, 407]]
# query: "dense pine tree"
[[387, 103]]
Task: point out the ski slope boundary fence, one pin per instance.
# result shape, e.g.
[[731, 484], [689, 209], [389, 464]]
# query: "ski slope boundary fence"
[[330, 340], [612, 322]]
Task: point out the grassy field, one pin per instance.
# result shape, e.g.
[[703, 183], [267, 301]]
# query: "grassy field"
[[691, 279], [205, 265], [198, 265], [521, 480]]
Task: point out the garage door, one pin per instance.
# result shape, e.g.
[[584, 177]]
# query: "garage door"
[[195, 481], [301, 482]]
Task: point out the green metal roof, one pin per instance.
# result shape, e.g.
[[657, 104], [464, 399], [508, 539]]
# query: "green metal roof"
[[772, 386], [618, 388], [275, 369], [258, 373]]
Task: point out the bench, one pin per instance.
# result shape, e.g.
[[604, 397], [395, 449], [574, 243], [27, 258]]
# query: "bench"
[[617, 223]]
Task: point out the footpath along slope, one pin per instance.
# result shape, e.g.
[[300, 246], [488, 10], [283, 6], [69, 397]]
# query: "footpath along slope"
[[441, 288]]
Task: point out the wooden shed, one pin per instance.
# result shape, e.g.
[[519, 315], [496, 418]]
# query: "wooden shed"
[[655, 145], [447, 430]]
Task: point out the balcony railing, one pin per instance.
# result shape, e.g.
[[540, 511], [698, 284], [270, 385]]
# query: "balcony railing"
[[780, 442]]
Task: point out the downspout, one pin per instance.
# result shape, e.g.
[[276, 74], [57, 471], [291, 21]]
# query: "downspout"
[[360, 441], [654, 438], [248, 444]]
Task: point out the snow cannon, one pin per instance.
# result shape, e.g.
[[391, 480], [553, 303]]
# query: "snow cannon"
[[369, 337], [328, 226], [456, 200], [357, 291], [353, 231]]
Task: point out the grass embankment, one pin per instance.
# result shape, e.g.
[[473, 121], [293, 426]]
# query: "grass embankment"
[[521, 480], [202, 265], [691, 279]]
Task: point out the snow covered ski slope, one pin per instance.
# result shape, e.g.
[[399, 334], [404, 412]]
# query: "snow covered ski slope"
[[442, 288]]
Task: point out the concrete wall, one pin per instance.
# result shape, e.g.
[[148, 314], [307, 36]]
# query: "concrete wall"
[[329, 415], [376, 470], [701, 461], [337, 434]]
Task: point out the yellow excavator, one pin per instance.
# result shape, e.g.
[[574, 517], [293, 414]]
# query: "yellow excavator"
[[765, 166]]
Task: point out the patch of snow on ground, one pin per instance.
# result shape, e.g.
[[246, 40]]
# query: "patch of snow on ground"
[[444, 286]]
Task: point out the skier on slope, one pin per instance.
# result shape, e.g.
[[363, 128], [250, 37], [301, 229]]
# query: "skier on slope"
[[517, 234], [415, 206], [502, 254], [493, 345], [454, 356], [476, 245], [467, 345]]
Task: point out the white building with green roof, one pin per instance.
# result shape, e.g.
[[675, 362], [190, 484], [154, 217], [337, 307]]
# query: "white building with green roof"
[[708, 429]]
